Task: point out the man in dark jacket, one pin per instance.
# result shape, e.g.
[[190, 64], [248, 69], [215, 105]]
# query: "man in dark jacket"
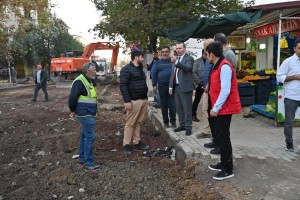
[[134, 90], [198, 69], [160, 81], [40, 82], [83, 103]]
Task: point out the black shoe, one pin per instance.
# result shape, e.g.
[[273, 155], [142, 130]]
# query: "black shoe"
[[127, 149], [216, 167], [141, 145], [179, 128], [188, 132], [210, 145], [166, 125], [289, 147], [34, 100], [216, 151], [195, 119], [156, 106], [223, 175]]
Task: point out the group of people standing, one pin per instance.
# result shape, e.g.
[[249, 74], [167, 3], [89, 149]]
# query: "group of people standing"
[[211, 76], [174, 78]]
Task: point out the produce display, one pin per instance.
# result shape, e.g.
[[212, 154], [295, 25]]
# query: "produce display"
[[270, 71]]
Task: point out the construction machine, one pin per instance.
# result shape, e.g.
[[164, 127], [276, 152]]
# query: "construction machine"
[[69, 65]]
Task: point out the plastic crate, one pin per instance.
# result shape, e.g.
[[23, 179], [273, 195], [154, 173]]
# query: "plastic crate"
[[244, 84], [246, 91], [247, 100]]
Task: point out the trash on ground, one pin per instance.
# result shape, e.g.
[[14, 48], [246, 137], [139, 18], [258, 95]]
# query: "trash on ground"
[[75, 156], [166, 152]]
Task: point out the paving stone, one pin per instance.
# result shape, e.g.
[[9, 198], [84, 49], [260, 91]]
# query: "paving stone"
[[253, 137]]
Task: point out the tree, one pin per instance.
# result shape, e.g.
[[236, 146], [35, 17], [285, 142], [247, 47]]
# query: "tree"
[[142, 19], [40, 44], [16, 16]]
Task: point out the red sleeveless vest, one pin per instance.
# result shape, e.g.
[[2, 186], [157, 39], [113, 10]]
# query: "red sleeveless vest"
[[232, 104]]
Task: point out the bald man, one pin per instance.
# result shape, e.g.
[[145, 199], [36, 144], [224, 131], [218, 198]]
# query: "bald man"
[[207, 68]]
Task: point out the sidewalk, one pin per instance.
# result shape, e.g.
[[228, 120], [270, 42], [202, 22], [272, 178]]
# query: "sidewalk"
[[262, 167], [253, 137]]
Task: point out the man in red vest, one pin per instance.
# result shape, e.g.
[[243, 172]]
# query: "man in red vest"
[[224, 101]]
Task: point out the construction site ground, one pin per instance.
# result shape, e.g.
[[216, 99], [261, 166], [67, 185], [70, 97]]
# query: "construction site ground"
[[39, 139]]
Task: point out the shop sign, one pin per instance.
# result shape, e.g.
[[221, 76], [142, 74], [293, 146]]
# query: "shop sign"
[[272, 29]]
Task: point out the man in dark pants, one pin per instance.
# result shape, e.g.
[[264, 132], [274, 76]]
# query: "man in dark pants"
[[161, 77], [230, 56], [40, 82], [198, 69], [289, 75], [181, 81], [224, 101]]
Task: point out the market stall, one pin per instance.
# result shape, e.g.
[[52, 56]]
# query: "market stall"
[[268, 44]]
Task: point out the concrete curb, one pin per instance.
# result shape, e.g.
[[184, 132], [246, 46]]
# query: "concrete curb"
[[183, 150]]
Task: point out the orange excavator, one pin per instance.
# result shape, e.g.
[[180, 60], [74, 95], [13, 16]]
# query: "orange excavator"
[[69, 65]]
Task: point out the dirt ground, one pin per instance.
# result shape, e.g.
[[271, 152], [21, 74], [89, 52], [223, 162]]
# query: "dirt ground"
[[39, 139]]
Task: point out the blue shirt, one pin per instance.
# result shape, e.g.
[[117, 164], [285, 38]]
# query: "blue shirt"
[[207, 69], [162, 73]]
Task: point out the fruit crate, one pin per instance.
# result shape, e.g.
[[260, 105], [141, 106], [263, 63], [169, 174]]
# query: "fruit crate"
[[247, 100], [246, 90]]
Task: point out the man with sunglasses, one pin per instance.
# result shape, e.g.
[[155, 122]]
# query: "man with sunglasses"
[[83, 103]]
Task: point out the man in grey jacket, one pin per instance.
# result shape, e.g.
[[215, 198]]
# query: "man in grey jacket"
[[198, 70], [227, 52], [181, 83]]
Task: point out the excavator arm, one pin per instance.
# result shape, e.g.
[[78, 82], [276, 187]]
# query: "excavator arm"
[[88, 51]]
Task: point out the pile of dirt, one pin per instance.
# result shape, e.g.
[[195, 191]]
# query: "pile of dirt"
[[38, 141]]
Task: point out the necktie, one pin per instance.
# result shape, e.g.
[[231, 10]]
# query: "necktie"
[[178, 58]]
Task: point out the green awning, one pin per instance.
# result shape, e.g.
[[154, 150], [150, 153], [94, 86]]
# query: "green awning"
[[206, 27]]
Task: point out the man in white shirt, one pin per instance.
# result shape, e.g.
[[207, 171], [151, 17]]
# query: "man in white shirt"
[[40, 82], [289, 75]]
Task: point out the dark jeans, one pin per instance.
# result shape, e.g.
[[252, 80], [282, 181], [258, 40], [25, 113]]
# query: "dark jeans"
[[167, 103], [198, 95], [38, 86], [290, 107], [87, 138], [221, 129]]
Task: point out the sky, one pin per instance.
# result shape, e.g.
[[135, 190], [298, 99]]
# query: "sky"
[[81, 15]]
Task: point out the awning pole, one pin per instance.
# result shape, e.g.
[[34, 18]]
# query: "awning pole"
[[279, 37]]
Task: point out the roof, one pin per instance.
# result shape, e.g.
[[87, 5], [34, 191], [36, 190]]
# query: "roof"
[[270, 13], [275, 6]]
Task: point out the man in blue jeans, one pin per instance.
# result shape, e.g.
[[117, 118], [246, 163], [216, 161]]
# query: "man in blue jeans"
[[289, 75], [83, 103]]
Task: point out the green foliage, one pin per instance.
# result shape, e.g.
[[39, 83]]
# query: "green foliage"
[[41, 43], [138, 20], [271, 106], [280, 117]]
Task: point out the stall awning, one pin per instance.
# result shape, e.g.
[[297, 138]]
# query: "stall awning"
[[206, 27]]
